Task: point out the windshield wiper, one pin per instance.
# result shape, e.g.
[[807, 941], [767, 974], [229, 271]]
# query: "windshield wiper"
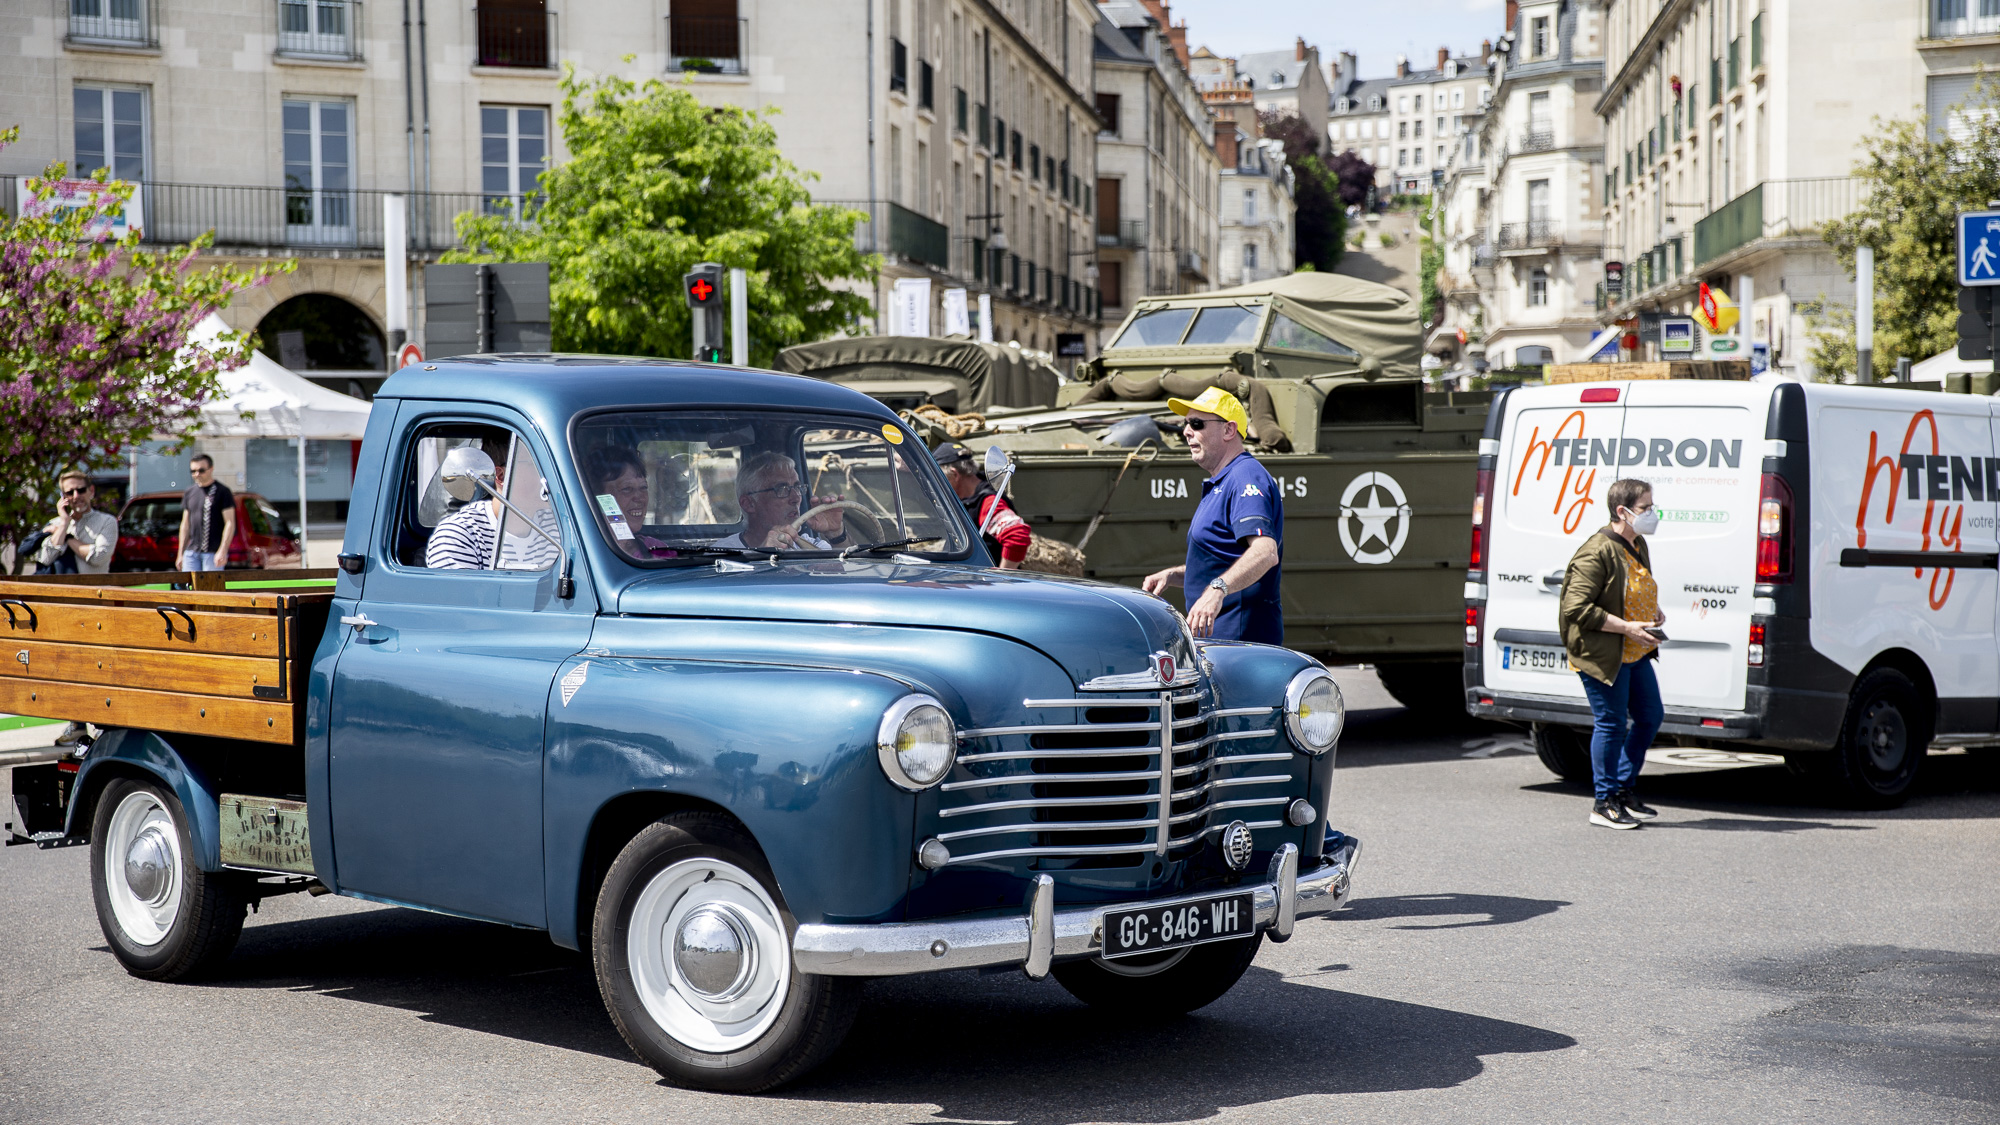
[[885, 545]]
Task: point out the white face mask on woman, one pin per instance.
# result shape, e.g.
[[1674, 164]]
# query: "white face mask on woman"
[[1645, 523]]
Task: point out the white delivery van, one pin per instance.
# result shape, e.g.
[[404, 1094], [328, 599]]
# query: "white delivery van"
[[1826, 558]]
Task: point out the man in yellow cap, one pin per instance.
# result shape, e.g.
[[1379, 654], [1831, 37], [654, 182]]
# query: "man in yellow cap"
[[1237, 536]]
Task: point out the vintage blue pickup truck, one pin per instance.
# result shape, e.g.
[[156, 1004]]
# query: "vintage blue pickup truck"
[[704, 672]]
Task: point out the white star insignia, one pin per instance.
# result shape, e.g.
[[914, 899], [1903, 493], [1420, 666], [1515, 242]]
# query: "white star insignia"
[[1374, 519]]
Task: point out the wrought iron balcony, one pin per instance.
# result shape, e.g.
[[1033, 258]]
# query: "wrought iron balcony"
[[1127, 233], [1529, 235], [707, 44], [320, 29], [116, 23], [1776, 209], [291, 218], [516, 33], [1537, 140]]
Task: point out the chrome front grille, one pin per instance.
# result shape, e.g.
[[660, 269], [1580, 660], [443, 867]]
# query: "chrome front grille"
[[1124, 780]]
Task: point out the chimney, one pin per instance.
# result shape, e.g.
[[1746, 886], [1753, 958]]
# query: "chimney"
[[1444, 56], [1299, 49], [1403, 63], [1486, 50], [1350, 67], [1226, 152], [1513, 13], [1178, 37]]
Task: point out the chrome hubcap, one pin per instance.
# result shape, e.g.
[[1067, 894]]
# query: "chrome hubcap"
[[712, 952], [146, 866]]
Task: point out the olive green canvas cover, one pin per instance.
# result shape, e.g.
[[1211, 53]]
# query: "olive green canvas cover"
[[1370, 318], [988, 375]]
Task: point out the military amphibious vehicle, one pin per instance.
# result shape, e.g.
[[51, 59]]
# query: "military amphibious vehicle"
[[1376, 474]]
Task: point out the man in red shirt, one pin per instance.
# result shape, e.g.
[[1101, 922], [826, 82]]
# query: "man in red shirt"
[[1005, 532]]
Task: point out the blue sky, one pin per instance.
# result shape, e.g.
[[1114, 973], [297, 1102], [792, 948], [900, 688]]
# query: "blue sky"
[[1377, 32]]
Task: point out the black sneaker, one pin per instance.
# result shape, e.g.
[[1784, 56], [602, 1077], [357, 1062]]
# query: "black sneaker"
[[1633, 806], [1609, 814]]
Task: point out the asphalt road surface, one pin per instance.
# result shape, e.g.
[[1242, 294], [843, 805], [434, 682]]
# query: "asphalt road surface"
[[1750, 956]]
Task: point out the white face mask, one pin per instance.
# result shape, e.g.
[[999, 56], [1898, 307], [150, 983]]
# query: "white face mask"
[[1645, 523]]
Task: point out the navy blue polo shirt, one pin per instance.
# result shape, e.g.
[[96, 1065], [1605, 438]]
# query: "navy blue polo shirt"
[[1238, 504]]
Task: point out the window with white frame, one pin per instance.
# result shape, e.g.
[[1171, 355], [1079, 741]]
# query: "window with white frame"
[[1249, 256], [1539, 35], [1249, 205], [318, 146], [110, 132], [1458, 99], [1403, 104], [1538, 287], [513, 150]]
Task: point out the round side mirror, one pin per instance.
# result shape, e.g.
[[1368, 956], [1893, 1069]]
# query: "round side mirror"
[[462, 469], [997, 460]]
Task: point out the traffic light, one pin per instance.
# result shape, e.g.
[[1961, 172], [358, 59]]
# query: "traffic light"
[[702, 286], [1976, 315]]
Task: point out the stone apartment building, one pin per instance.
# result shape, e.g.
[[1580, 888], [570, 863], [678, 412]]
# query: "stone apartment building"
[[1731, 132], [1157, 170], [1427, 114], [1529, 185], [1255, 204], [1359, 120], [966, 128]]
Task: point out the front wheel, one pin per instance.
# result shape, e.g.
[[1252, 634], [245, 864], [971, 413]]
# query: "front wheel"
[[163, 916], [1161, 984], [694, 961]]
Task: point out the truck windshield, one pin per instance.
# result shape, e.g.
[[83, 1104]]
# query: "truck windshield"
[[1165, 328], [667, 485]]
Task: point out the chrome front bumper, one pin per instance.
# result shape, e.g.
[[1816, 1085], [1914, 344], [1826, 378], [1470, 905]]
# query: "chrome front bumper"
[[1041, 933]]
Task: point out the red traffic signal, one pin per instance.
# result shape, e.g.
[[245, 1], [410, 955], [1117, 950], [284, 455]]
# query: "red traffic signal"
[[703, 286]]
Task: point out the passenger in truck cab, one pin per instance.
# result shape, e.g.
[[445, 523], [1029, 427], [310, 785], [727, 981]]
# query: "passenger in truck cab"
[[1610, 614]]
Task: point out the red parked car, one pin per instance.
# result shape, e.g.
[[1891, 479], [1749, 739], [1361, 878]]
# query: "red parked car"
[[149, 530]]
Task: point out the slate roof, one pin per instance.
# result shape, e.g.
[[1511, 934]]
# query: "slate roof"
[[1272, 70]]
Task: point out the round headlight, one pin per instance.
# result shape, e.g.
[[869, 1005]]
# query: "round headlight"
[[1314, 711], [916, 742]]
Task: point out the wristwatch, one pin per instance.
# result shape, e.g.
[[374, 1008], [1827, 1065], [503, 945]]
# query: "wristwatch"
[[1220, 586]]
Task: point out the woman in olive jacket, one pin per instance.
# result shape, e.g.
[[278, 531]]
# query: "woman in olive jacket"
[[1609, 599]]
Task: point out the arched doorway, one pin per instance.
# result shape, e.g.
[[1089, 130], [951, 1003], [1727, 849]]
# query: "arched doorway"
[[319, 332]]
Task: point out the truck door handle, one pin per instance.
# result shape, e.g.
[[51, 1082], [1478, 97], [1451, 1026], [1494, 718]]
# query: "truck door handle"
[[1552, 582], [360, 621]]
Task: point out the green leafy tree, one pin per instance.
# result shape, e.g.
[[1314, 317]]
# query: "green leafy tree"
[[1319, 229], [1430, 264], [1919, 183], [93, 340], [655, 183]]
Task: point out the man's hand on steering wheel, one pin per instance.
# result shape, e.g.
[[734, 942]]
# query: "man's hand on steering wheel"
[[828, 522]]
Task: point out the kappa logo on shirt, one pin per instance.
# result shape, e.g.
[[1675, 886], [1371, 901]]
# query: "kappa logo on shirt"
[[1251, 490]]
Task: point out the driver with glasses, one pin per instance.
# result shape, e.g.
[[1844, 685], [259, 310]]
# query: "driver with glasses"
[[771, 496]]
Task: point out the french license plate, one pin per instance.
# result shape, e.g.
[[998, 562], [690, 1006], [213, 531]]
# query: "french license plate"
[[1533, 658], [1131, 932]]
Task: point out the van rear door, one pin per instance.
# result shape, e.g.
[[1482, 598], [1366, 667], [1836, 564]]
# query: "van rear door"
[[1558, 453], [1700, 443]]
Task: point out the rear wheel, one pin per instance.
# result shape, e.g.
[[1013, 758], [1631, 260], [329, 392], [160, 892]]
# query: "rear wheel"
[[163, 916], [1883, 740], [1433, 689], [1565, 750], [1161, 984], [693, 958]]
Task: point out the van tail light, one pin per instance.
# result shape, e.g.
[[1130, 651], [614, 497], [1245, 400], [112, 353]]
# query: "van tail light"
[[1755, 653], [1482, 507], [1599, 394], [1473, 614], [1774, 530]]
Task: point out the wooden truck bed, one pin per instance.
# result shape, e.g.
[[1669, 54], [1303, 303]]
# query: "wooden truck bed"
[[220, 660]]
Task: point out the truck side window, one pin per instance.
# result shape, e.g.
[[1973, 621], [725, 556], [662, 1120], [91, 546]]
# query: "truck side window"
[[442, 533], [1289, 333]]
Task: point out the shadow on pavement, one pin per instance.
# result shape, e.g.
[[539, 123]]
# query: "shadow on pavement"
[[1041, 1058], [991, 1048], [1726, 824], [1920, 1020], [1500, 910], [1962, 786]]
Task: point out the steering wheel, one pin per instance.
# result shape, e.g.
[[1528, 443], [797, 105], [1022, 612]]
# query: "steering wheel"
[[811, 512]]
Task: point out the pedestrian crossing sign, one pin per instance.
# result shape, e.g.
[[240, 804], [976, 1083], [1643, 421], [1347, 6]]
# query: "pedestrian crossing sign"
[[1979, 248]]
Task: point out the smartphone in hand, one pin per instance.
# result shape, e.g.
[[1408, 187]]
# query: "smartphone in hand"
[[1657, 633]]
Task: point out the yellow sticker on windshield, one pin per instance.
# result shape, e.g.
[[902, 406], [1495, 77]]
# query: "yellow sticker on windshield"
[[894, 435]]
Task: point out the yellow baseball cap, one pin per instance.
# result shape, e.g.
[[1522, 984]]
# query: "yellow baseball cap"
[[1218, 402]]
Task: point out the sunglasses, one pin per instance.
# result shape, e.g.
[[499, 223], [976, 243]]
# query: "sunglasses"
[[76, 491], [201, 470], [1197, 424]]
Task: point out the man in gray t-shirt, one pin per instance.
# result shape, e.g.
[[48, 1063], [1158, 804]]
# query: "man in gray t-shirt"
[[90, 536]]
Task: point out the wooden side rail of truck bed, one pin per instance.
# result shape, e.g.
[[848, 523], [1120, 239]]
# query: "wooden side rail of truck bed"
[[225, 659]]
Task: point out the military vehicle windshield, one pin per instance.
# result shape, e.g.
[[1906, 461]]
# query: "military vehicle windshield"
[[1181, 327]]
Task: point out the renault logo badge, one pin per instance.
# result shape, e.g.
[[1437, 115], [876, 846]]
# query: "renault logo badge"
[[1237, 845], [1163, 668]]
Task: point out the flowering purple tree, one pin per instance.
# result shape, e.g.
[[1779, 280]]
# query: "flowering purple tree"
[[92, 332]]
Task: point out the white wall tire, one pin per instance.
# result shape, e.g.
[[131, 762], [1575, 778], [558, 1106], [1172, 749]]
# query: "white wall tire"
[[692, 948], [164, 917]]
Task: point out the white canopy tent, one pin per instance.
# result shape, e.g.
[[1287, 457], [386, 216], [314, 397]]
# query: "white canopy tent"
[[263, 398]]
